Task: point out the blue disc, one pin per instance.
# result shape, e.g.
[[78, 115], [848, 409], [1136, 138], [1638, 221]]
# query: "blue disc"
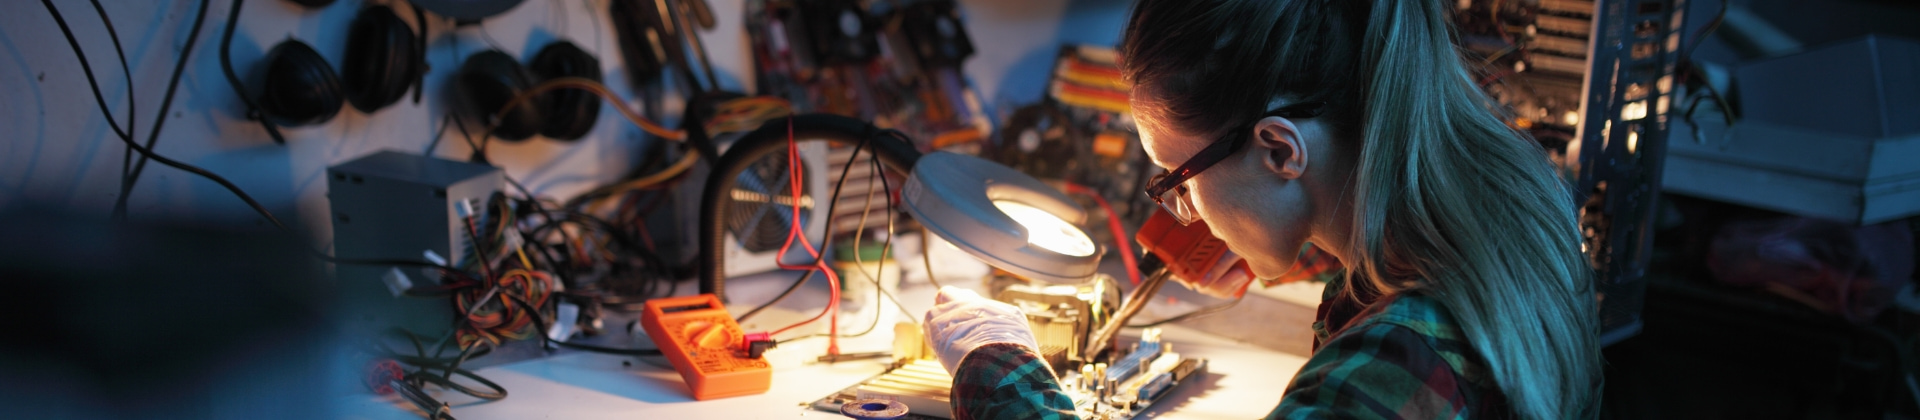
[[874, 409]]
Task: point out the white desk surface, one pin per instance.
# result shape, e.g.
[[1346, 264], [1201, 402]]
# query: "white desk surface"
[[1242, 381]]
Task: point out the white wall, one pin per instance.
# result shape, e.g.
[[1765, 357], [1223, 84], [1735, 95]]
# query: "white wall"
[[56, 149]]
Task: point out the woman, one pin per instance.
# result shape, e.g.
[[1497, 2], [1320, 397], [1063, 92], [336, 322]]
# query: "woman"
[[1354, 126]]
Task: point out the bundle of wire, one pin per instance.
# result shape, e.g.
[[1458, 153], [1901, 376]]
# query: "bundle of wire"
[[483, 316]]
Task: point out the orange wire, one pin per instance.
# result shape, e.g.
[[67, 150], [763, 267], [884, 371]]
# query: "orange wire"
[[597, 89]]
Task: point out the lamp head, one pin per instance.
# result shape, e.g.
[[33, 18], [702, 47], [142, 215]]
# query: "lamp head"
[[999, 215]]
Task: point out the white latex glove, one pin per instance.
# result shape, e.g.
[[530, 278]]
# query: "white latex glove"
[[962, 320], [1226, 279]]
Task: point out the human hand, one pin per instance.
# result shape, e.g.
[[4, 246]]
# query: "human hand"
[[1228, 278], [962, 320]]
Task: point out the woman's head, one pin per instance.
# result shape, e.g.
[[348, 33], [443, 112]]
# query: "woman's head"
[[1206, 71], [1408, 176]]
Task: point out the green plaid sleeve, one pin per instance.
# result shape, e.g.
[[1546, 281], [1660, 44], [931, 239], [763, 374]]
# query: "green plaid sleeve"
[[1375, 371], [1007, 381]]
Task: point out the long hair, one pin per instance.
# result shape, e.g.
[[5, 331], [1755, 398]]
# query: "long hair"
[[1445, 198]]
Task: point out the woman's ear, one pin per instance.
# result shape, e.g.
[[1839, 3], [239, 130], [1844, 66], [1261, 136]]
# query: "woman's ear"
[[1279, 140]]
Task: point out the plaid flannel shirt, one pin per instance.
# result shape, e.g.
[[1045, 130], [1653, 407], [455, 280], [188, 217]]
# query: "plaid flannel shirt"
[[1390, 357]]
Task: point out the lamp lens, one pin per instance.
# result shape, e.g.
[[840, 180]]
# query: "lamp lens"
[[1048, 231]]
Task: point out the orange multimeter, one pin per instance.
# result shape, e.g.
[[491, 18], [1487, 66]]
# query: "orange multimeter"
[[700, 339]]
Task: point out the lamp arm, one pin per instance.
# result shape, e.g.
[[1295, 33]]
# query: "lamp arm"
[[892, 148]]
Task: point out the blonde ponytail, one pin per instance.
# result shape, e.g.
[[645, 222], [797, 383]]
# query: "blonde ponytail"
[[1453, 203], [1447, 200]]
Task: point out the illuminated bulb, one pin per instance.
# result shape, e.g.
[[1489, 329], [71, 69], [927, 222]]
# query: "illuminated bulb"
[[1047, 231], [1633, 141], [1572, 118]]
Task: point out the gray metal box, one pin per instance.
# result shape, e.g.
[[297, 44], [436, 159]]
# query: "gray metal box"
[[1831, 133], [396, 205]]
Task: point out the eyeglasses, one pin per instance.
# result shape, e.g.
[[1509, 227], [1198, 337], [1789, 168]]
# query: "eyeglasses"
[[1170, 190]]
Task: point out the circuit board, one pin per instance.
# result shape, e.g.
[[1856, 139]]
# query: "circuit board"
[[1118, 391]]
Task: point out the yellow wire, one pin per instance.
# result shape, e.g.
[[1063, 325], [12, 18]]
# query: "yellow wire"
[[521, 250]]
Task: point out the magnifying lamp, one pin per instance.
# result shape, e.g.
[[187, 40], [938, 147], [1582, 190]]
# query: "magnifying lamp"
[[995, 213], [1001, 216]]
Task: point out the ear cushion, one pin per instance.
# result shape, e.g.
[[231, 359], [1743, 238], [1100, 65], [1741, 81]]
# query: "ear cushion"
[[487, 81], [571, 112], [380, 63], [300, 88]]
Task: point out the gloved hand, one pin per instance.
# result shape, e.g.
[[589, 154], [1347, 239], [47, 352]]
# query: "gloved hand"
[[962, 320], [1227, 279]]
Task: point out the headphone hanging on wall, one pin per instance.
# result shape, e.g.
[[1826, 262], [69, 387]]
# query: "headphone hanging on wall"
[[384, 59], [488, 79], [571, 112]]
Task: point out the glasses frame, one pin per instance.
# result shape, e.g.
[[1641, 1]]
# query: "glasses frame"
[[1226, 145]]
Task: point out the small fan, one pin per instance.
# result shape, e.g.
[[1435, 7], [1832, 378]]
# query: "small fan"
[[760, 210]]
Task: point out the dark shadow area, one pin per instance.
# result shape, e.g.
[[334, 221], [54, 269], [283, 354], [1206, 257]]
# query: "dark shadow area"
[[153, 320], [1711, 350]]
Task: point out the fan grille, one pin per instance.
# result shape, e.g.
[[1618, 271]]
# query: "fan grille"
[[760, 205]]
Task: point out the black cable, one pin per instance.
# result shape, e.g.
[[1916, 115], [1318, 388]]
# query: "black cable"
[[1209, 310], [534, 201], [437, 134], [886, 247], [88, 71], [479, 154], [113, 34], [423, 363], [878, 289], [233, 80], [833, 201], [160, 120], [541, 320], [235, 189]]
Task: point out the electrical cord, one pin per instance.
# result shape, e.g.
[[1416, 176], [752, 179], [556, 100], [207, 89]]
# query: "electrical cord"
[[581, 83], [545, 325], [87, 70], [795, 176], [878, 290], [887, 246], [1208, 310], [149, 152], [233, 80], [597, 89], [435, 143], [129, 179], [1135, 301], [114, 35], [410, 384], [832, 204]]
